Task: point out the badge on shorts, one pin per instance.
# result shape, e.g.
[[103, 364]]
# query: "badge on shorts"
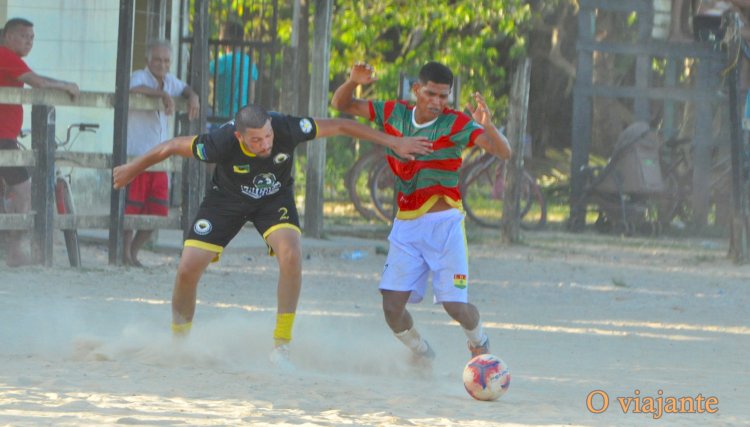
[[305, 125], [459, 281], [202, 227]]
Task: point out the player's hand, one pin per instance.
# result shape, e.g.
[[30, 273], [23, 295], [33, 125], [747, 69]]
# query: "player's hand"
[[480, 113], [122, 175], [72, 90], [168, 103], [410, 147], [362, 74], [194, 106]]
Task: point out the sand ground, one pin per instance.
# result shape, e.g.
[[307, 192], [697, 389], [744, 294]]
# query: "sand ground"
[[570, 314]]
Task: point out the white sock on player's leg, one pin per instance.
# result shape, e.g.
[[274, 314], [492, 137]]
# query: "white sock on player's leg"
[[476, 336], [412, 339]]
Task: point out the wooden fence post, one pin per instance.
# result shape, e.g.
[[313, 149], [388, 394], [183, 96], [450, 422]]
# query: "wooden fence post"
[[195, 173], [738, 240], [516, 131], [43, 179], [120, 137], [316, 151]]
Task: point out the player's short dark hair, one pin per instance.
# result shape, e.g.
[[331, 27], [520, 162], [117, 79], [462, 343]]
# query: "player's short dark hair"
[[14, 23], [437, 73], [251, 116], [233, 30]]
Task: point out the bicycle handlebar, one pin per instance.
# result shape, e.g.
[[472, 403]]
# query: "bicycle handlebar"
[[86, 126], [82, 127]]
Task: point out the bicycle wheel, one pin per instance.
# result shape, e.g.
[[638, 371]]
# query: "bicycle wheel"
[[533, 206], [357, 185], [382, 181], [481, 191], [65, 206]]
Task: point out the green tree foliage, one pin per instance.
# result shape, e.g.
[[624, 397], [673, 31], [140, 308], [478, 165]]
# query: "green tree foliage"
[[479, 40], [256, 16]]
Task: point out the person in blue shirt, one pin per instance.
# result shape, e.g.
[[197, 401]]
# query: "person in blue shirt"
[[233, 72]]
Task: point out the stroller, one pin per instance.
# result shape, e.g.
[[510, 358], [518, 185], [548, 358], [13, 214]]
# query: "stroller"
[[626, 189]]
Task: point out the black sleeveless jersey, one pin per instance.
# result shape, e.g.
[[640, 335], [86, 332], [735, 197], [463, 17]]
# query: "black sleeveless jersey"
[[239, 172]]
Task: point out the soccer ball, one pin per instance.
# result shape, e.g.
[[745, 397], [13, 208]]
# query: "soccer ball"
[[486, 377]]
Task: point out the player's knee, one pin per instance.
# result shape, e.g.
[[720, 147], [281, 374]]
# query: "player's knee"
[[392, 309], [187, 275], [458, 310], [290, 256]]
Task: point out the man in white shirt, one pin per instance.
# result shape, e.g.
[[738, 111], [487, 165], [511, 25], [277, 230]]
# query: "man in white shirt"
[[148, 194]]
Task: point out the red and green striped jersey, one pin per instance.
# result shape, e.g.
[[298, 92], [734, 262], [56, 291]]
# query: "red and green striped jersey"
[[422, 182]]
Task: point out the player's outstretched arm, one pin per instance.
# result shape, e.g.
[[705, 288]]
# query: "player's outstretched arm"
[[343, 98], [406, 147], [179, 146]]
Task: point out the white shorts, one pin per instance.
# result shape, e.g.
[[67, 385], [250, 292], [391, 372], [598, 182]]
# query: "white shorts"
[[434, 242]]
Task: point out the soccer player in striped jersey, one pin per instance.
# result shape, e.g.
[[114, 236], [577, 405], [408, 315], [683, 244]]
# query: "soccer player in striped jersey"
[[428, 234]]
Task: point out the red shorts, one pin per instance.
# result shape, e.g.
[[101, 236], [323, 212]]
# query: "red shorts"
[[148, 194]]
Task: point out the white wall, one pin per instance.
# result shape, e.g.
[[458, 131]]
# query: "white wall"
[[75, 40]]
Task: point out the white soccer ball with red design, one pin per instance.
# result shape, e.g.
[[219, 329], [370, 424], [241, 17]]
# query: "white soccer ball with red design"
[[486, 377]]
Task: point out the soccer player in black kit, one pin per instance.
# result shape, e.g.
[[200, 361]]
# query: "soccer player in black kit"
[[252, 181]]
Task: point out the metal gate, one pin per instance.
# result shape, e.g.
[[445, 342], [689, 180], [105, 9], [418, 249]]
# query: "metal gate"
[[242, 58]]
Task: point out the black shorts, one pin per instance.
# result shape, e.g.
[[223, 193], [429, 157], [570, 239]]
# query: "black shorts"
[[221, 216], [14, 174]]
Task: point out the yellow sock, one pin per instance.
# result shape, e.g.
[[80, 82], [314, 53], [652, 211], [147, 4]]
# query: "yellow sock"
[[181, 329], [283, 331]]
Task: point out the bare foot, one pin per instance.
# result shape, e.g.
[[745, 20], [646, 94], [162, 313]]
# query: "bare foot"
[[128, 261], [132, 260]]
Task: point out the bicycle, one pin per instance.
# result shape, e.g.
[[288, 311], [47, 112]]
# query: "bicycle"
[[381, 182], [482, 186], [64, 201], [358, 183]]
